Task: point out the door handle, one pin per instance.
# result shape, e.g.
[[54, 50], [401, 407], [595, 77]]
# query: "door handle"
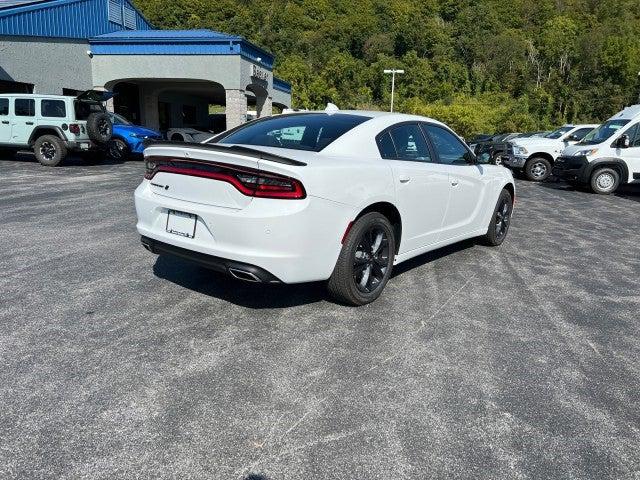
[[454, 182], [6, 122], [29, 123], [404, 179]]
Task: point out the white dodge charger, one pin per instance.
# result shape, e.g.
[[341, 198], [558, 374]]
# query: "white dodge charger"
[[339, 196]]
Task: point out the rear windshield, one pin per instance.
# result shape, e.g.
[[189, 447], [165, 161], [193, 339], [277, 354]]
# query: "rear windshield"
[[309, 131], [603, 132], [84, 109]]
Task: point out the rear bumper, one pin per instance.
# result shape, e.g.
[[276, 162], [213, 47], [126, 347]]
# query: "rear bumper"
[[243, 271], [571, 169], [294, 241], [81, 145]]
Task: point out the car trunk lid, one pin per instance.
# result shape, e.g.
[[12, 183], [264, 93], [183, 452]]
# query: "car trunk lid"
[[188, 172]]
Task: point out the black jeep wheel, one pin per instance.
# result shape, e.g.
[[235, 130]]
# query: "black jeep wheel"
[[50, 150], [365, 262], [99, 127]]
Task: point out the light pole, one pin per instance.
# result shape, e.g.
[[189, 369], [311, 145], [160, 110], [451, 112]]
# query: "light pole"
[[393, 82]]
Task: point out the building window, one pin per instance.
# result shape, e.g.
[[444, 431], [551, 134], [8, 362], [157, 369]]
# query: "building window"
[[53, 109], [129, 17], [189, 116], [115, 11], [25, 107]]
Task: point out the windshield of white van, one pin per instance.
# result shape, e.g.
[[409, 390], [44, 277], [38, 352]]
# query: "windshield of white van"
[[603, 132], [559, 132]]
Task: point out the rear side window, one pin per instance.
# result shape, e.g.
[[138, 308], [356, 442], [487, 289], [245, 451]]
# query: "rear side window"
[[385, 145], [25, 107], [310, 131], [53, 108], [410, 143], [4, 106], [581, 133]]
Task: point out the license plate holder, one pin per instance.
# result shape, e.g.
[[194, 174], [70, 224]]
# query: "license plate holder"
[[181, 223]]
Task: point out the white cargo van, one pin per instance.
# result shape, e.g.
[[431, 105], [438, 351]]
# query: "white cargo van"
[[606, 157]]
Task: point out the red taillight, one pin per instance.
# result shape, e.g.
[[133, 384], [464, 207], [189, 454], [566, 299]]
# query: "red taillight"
[[74, 128], [248, 181]]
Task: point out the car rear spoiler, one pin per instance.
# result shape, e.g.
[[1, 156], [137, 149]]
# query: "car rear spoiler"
[[232, 149]]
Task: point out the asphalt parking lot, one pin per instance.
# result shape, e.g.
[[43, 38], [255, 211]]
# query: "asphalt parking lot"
[[516, 362]]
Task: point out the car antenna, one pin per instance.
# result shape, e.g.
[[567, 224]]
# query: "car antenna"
[[331, 108]]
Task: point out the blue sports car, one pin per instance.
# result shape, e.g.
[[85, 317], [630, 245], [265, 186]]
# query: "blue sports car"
[[128, 138]]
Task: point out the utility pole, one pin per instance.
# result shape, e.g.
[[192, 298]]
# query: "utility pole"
[[393, 82]]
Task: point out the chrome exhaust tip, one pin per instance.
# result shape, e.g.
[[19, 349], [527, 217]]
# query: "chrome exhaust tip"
[[243, 275]]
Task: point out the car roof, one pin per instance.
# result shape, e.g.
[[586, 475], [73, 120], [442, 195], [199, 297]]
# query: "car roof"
[[628, 113]]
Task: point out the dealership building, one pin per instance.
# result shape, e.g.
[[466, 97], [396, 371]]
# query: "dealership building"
[[162, 78]]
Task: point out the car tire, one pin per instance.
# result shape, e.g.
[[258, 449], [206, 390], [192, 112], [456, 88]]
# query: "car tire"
[[365, 262], [537, 169], [118, 150], [50, 151], [605, 181], [500, 220], [176, 137], [99, 127]]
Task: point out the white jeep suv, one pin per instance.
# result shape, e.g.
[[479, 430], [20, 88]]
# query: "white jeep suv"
[[535, 156], [52, 125], [607, 157]]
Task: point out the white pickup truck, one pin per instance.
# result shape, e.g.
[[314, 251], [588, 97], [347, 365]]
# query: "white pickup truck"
[[535, 156]]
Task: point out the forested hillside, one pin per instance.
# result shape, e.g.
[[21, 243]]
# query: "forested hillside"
[[481, 65]]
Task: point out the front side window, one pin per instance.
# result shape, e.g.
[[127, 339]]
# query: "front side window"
[[53, 108], [603, 132], [309, 131], [634, 135], [559, 132], [410, 143], [25, 107], [450, 149], [4, 106]]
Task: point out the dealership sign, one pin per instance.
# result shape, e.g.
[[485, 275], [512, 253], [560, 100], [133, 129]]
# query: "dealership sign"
[[259, 73]]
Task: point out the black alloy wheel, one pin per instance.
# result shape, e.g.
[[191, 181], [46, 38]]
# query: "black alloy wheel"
[[503, 217], [500, 221], [371, 259], [365, 262]]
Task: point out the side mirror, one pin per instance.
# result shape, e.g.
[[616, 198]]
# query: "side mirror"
[[484, 159], [623, 141]]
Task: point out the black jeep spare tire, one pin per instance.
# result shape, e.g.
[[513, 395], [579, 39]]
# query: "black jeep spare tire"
[[99, 127]]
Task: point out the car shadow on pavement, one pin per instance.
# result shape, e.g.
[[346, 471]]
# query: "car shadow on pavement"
[[245, 294], [71, 161], [260, 295], [432, 256]]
